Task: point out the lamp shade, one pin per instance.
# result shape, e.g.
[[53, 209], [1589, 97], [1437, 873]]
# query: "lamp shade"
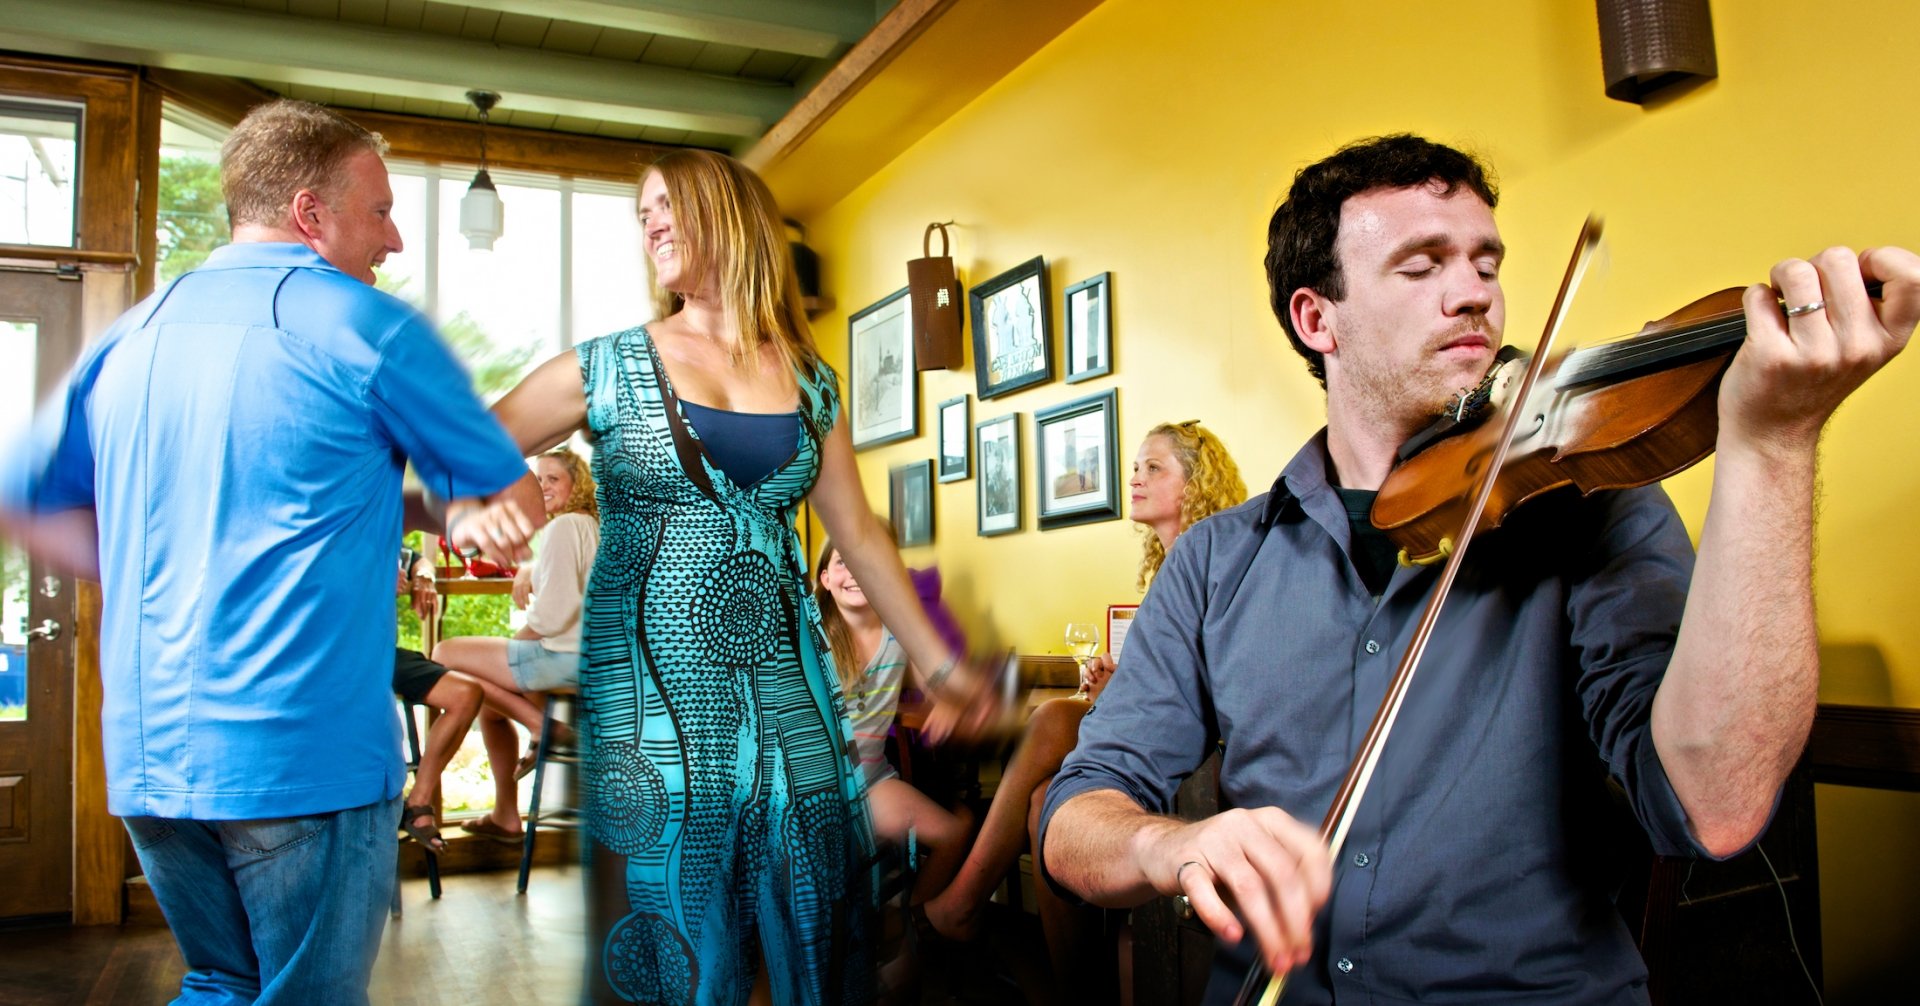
[[482, 216]]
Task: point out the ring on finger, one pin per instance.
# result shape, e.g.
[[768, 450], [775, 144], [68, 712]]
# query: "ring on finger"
[[1805, 309]]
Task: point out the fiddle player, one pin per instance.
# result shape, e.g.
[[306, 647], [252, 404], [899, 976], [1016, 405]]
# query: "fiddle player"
[[1583, 640]]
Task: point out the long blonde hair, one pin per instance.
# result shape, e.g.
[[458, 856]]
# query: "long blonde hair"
[[1212, 484], [583, 499], [727, 223]]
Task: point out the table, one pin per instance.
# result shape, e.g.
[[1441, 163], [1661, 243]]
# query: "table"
[[453, 581]]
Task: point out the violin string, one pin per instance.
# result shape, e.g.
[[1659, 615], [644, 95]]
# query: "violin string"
[[1601, 360]]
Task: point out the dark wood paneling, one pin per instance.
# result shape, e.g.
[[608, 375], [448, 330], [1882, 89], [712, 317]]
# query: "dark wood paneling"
[[1872, 746]]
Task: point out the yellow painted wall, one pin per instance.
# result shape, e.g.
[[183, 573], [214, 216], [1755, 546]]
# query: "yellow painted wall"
[[1152, 139]]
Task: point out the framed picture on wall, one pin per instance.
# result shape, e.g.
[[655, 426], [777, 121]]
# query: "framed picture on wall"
[[883, 389], [996, 443], [1078, 479], [1012, 338], [1089, 317], [955, 423], [910, 502]]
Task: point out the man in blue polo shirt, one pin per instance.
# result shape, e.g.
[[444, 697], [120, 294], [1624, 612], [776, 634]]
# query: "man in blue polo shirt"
[[238, 440], [1582, 639]]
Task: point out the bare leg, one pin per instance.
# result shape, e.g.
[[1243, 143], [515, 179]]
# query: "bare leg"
[[1072, 937], [484, 658], [503, 753], [1051, 733], [940, 834], [458, 699]]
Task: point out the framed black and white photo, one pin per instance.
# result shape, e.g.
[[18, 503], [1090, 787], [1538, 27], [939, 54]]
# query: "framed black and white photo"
[[883, 389], [996, 445], [1012, 339], [1078, 477], [910, 502], [955, 423], [1089, 317]]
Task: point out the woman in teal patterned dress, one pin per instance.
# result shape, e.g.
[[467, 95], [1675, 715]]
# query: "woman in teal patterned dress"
[[724, 810]]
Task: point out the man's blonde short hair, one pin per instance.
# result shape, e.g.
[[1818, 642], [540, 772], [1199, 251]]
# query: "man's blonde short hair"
[[282, 147]]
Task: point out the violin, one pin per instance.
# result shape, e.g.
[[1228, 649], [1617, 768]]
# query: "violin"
[[1614, 416]]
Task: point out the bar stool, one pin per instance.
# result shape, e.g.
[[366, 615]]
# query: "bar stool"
[[413, 765], [552, 751]]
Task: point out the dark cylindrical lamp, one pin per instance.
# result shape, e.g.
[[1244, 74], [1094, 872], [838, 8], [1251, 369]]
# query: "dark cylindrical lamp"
[[1646, 45]]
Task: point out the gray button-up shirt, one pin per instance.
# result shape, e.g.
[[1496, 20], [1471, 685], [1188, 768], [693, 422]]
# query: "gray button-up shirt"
[[1481, 863]]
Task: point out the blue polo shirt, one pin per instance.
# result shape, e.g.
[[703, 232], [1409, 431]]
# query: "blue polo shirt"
[[1481, 863], [241, 437]]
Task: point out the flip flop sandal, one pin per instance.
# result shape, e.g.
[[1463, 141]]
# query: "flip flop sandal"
[[524, 767], [428, 834], [485, 828]]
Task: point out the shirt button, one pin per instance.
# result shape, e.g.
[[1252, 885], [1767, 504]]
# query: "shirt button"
[[1345, 966], [1361, 859], [1373, 646]]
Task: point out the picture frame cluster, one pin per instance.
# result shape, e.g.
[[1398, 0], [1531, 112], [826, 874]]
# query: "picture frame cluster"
[[1077, 472]]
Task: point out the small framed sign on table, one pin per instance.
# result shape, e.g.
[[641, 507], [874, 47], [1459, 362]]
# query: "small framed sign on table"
[[1119, 620]]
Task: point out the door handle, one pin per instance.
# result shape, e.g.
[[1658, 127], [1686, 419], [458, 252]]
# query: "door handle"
[[48, 629]]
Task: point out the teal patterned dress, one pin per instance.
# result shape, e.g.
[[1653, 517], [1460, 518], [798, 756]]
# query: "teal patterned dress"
[[722, 801]]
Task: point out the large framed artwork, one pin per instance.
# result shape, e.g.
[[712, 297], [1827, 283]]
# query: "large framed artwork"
[[910, 502], [1078, 477], [996, 449], [953, 424], [1089, 314], [883, 389], [1012, 338]]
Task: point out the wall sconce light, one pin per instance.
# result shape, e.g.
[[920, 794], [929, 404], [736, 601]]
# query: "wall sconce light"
[[933, 294], [1647, 45], [482, 216]]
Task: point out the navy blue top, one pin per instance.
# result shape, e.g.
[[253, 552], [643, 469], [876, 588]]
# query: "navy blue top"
[[746, 446], [1478, 869]]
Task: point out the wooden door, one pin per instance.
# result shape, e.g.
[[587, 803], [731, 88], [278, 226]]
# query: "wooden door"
[[39, 337]]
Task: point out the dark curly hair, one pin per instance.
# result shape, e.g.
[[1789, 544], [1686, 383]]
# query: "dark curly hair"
[[1300, 237]]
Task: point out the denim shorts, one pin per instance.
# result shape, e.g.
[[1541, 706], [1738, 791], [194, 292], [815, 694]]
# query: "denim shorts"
[[537, 669]]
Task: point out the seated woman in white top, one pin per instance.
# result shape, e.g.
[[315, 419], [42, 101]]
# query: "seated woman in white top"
[[543, 654]]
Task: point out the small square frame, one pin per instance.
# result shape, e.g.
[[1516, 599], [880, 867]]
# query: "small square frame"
[[1088, 311], [953, 423], [1075, 483], [883, 388], [1012, 330], [998, 493], [910, 502]]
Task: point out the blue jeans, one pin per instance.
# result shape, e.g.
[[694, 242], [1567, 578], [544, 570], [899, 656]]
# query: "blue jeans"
[[279, 911]]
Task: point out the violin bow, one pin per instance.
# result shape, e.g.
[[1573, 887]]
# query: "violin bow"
[[1346, 802]]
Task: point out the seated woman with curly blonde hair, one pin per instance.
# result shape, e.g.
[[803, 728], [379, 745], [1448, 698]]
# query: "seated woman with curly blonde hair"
[[1181, 475], [544, 653]]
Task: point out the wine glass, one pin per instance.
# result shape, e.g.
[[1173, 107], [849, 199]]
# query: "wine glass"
[[1083, 641]]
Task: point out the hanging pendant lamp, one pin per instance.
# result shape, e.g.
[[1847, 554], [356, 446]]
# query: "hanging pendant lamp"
[[482, 216]]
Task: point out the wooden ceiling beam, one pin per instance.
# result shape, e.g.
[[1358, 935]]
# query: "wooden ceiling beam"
[[862, 63], [238, 42], [816, 28], [435, 141]]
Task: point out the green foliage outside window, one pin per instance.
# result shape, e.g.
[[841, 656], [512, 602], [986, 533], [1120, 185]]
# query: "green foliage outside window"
[[193, 216]]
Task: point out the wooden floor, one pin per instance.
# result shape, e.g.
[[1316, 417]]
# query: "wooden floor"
[[480, 944]]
